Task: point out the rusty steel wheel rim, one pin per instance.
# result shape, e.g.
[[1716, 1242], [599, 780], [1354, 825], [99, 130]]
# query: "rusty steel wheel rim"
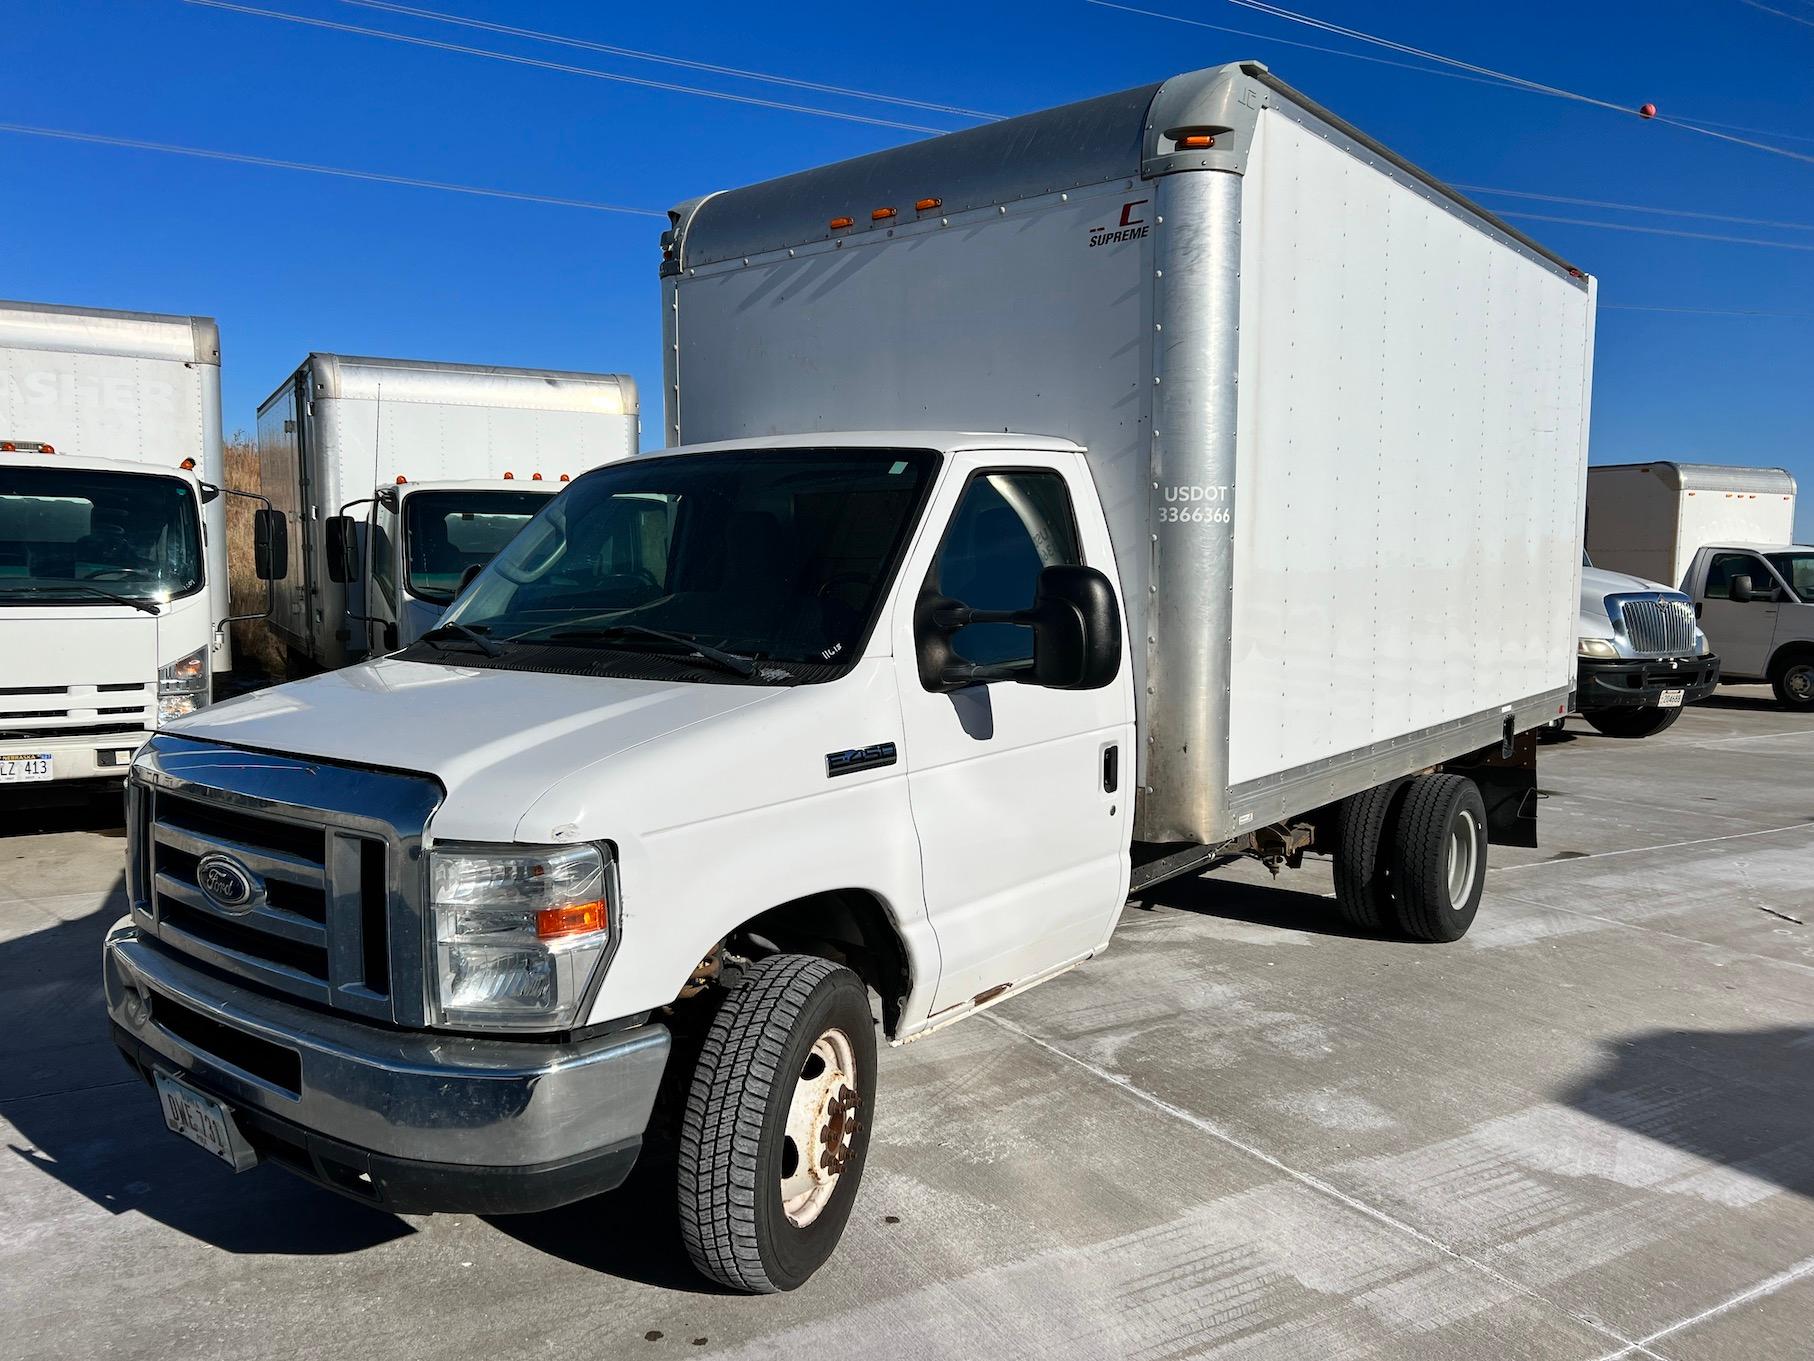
[[822, 1124]]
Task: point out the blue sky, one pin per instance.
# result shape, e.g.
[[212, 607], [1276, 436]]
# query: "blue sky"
[[291, 262]]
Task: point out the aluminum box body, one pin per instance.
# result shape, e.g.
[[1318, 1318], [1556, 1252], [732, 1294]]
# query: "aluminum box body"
[[1649, 519], [1336, 414]]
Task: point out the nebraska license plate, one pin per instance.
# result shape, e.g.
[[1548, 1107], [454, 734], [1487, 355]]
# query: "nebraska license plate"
[[25, 767], [202, 1120], [1670, 699]]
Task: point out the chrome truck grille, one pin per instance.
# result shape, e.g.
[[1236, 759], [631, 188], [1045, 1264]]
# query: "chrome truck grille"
[[76, 712], [1657, 624], [296, 875]]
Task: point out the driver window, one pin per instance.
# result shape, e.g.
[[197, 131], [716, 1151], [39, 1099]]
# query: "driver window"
[[1725, 566], [1006, 528]]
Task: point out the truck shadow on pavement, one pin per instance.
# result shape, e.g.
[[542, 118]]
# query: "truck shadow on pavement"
[[79, 1115], [1743, 1099], [1270, 905]]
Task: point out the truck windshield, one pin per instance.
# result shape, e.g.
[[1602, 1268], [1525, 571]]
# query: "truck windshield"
[[780, 555], [74, 536], [445, 532], [1798, 570]]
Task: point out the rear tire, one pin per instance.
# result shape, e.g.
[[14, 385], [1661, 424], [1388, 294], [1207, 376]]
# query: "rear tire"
[[1363, 888], [1439, 857], [1793, 683], [776, 1126], [1631, 722]]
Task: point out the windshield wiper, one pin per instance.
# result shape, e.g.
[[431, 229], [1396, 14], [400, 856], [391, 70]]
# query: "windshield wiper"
[[443, 634], [729, 661], [142, 605]]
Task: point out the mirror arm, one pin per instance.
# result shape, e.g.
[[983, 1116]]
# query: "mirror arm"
[[270, 586], [960, 674]]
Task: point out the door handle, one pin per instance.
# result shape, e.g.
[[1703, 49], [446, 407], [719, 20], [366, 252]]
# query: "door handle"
[[1111, 769]]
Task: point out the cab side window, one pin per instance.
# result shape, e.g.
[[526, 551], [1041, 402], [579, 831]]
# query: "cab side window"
[[382, 552], [1007, 527], [1725, 566]]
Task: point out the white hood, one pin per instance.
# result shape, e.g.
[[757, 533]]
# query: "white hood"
[[79, 645], [496, 740], [1598, 583]]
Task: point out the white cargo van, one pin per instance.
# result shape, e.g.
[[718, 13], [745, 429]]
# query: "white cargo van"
[[113, 541], [1259, 531], [399, 477]]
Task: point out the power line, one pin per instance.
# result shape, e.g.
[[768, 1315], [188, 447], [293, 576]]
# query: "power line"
[[1662, 231], [562, 67], [1779, 13], [1634, 208], [1708, 311], [1459, 69], [376, 177], [611, 49]]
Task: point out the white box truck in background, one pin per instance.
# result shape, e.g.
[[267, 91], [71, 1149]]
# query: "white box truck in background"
[[113, 539], [1649, 519], [398, 476], [1727, 535], [732, 735]]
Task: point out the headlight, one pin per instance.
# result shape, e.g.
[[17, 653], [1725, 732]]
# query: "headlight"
[[1600, 649], [182, 687], [519, 933]]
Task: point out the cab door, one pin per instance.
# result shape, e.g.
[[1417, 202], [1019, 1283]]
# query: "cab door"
[[1742, 632], [1022, 796]]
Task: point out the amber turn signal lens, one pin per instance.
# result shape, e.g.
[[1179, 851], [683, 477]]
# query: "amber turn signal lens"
[[1196, 141], [575, 919], [882, 214], [926, 205], [839, 223]]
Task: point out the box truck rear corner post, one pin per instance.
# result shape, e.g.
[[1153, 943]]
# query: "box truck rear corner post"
[[1212, 490], [399, 479], [113, 540]]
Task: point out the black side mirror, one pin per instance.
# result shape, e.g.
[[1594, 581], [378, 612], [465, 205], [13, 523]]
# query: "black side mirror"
[[1740, 589], [270, 545], [472, 570], [1076, 625], [342, 549]]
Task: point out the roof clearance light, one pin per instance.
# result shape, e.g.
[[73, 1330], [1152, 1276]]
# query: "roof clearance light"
[[535, 477], [187, 465], [927, 205], [510, 477], [883, 214], [402, 481], [565, 478], [838, 224], [1196, 141], [47, 448]]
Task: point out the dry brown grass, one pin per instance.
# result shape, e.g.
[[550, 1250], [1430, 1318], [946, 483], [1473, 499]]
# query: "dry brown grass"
[[255, 647]]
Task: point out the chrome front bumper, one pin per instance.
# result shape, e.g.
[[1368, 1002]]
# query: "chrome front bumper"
[[446, 1121]]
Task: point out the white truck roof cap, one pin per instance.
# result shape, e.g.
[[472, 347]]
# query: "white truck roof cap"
[[360, 377], [938, 441], [80, 463], [1713, 476], [100, 330]]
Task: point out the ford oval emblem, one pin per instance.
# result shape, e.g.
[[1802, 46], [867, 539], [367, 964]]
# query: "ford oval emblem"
[[229, 885]]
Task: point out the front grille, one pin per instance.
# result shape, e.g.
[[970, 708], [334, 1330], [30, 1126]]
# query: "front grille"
[[113, 709], [333, 885], [1653, 624]]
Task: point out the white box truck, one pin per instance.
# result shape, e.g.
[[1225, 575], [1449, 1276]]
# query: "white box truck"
[[397, 477], [113, 540], [733, 736], [1649, 519], [1726, 534]]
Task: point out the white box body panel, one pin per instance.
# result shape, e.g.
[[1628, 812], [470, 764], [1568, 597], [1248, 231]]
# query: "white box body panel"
[[341, 427], [1336, 416], [1409, 463], [1650, 519]]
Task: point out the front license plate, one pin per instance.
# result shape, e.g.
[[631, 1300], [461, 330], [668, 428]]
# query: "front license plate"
[[202, 1120], [25, 767], [1670, 699]]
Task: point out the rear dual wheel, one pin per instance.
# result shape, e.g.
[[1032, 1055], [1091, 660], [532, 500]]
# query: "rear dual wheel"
[[1413, 853]]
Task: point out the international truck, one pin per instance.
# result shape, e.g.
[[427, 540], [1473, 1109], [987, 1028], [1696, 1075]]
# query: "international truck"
[[1057, 506], [1727, 535], [113, 541], [397, 477], [1643, 656]]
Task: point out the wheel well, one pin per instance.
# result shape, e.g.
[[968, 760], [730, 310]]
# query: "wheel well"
[[850, 926], [1788, 652]]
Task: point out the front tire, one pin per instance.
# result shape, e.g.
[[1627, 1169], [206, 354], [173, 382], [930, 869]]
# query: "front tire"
[[776, 1127], [1631, 722], [1794, 683], [1439, 857]]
